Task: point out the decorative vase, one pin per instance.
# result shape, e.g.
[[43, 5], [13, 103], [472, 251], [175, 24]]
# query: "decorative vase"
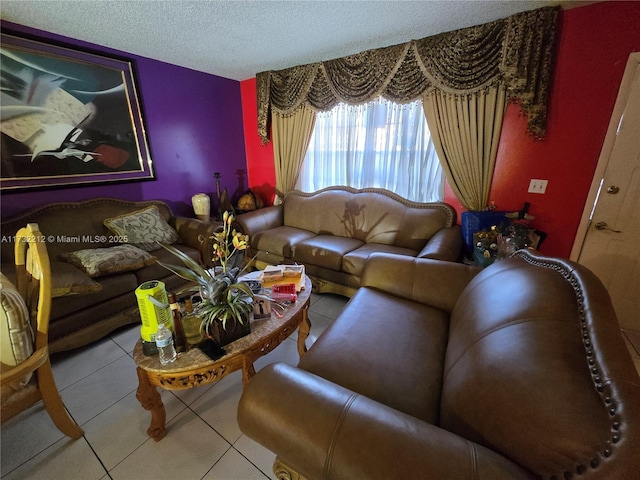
[[201, 206], [233, 332]]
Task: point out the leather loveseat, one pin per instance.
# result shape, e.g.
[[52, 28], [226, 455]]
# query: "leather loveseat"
[[438, 370], [334, 231], [90, 302]]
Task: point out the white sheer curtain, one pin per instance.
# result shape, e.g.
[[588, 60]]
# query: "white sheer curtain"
[[379, 144]]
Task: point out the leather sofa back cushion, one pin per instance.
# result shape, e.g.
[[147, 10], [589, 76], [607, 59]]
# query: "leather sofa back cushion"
[[516, 376], [365, 216]]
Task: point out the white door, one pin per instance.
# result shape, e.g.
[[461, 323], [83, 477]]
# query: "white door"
[[609, 243]]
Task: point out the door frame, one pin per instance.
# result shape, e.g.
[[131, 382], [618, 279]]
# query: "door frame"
[[605, 155]]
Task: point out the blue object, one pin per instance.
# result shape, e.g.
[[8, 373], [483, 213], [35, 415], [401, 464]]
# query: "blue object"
[[475, 221]]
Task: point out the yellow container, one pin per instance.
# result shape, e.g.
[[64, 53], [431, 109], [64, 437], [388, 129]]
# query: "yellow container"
[[153, 303]]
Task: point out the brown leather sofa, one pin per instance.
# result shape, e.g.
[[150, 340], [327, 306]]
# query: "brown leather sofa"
[[438, 370], [85, 309], [334, 231]]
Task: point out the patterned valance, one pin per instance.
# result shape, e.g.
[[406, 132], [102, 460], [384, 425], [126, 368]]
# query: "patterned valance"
[[516, 52]]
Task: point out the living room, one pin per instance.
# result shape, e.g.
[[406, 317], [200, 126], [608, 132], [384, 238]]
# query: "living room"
[[199, 123], [217, 119]]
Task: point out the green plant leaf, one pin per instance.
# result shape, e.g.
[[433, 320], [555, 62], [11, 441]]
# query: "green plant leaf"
[[184, 273], [189, 262]]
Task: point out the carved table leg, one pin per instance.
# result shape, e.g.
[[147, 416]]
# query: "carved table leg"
[[303, 331], [284, 472], [248, 371], [149, 398]]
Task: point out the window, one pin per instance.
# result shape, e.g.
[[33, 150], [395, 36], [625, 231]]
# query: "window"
[[380, 144]]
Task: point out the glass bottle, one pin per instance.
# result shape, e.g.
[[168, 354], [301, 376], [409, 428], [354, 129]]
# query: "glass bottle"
[[191, 323], [180, 338]]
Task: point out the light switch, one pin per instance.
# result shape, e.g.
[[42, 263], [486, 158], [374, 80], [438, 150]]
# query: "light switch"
[[538, 186]]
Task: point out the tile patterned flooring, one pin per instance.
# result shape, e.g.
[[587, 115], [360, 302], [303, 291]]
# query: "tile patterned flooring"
[[98, 385], [203, 442]]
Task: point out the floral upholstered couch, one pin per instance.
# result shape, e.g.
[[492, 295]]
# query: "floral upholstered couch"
[[100, 251]]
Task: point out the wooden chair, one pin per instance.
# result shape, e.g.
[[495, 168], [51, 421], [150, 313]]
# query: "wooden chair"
[[33, 279]]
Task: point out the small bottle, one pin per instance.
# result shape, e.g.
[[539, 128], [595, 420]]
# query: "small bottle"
[[191, 324], [180, 339], [164, 342]]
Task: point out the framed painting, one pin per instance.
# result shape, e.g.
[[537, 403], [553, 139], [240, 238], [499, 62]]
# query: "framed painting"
[[68, 117]]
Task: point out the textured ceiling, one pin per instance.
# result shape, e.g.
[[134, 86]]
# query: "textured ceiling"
[[237, 39]]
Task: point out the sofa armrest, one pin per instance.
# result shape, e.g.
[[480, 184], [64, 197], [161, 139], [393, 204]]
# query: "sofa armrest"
[[325, 431], [196, 234], [430, 282], [256, 221], [446, 244]]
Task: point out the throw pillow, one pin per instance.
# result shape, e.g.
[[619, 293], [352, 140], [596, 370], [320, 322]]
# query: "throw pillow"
[[68, 280], [16, 335], [143, 228], [102, 261]]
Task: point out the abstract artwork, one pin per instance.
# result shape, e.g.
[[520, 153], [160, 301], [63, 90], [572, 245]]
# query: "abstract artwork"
[[68, 117]]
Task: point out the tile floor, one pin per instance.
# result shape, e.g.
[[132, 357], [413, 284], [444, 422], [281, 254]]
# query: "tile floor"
[[98, 385], [203, 441]]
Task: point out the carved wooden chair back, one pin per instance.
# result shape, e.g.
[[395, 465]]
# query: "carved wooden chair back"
[[33, 281]]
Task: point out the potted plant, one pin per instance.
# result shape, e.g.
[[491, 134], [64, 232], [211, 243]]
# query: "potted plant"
[[226, 303]]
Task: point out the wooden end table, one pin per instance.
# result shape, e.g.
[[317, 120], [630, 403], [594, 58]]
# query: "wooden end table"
[[193, 368]]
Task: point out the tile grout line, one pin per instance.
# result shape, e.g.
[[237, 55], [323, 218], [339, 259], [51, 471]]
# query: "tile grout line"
[[123, 347]]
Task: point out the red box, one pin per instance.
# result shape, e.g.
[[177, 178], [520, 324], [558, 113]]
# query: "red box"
[[285, 291]]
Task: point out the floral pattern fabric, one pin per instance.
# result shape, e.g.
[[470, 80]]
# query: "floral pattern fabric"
[[143, 228], [102, 261], [516, 52]]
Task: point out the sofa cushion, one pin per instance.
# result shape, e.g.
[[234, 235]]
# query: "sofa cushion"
[[354, 261], [279, 240], [325, 250], [16, 334], [96, 262], [68, 280], [420, 225], [113, 286], [387, 349], [325, 280], [144, 228], [318, 213]]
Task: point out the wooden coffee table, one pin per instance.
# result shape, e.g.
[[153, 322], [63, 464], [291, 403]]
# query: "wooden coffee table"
[[193, 368]]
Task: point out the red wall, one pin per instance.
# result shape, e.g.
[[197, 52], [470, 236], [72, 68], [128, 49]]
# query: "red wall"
[[594, 44], [260, 170]]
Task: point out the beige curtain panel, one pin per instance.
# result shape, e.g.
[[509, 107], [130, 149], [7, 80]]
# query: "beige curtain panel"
[[291, 136], [466, 132], [516, 52]]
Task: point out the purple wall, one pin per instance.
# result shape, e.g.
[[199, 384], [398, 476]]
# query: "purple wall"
[[194, 128]]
